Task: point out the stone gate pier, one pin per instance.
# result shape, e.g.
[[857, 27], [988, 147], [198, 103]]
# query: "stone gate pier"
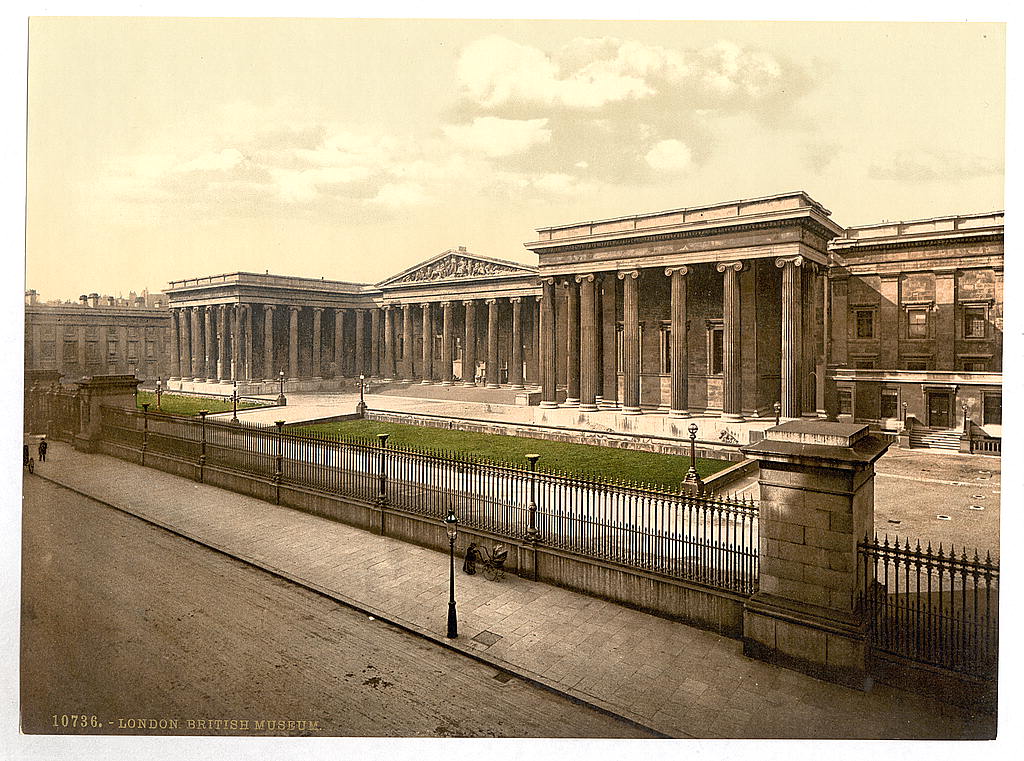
[[817, 502]]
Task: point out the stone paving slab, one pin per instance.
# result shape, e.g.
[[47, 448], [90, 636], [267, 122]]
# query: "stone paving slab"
[[677, 680]]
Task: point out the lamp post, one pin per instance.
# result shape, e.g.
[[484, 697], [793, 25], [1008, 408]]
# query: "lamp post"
[[145, 430], [202, 446], [234, 401], [279, 473], [532, 534], [778, 412], [963, 408], [159, 392], [452, 524], [361, 407], [382, 489], [904, 414], [692, 476], [280, 397]]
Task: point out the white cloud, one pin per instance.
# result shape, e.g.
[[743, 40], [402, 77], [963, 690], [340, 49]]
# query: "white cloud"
[[669, 156], [401, 194], [496, 137], [213, 161]]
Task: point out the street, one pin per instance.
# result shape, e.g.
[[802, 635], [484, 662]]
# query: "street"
[[127, 628]]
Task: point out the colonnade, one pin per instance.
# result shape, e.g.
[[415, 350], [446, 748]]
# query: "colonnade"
[[591, 322], [219, 342]]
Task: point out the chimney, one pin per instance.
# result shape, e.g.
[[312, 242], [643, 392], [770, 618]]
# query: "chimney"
[[462, 249], [84, 300], [111, 301], [32, 297], [94, 300]]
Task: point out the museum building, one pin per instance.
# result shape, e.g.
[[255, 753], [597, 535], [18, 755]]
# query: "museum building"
[[744, 310]]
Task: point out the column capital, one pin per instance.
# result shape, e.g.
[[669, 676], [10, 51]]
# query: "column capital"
[[294, 309], [736, 266], [446, 304], [631, 274], [490, 302], [426, 305], [547, 281], [515, 299], [682, 270], [469, 302], [588, 278], [318, 310], [539, 298], [796, 261], [268, 308]]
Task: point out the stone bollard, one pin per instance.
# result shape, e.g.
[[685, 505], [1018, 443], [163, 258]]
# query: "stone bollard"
[[101, 391], [817, 502]]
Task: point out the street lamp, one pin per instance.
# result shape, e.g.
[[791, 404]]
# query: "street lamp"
[[778, 412], [532, 534], [234, 401], [692, 476], [452, 524], [159, 391], [963, 408], [904, 414], [280, 397], [361, 407]]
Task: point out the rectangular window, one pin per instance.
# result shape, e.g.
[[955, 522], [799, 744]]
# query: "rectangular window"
[[917, 323], [92, 351], [619, 343], [976, 365], [150, 350], [48, 350], [70, 351], [992, 411], [917, 364], [890, 404], [974, 322], [716, 349], [864, 364], [865, 323], [845, 403], [666, 348], [133, 351], [112, 349]]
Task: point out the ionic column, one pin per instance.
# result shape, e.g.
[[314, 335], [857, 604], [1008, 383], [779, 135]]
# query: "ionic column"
[[360, 359], [236, 340], [792, 343], [609, 318], [249, 342], [340, 360], [389, 343], [427, 345], [375, 342], [588, 344], [492, 344], [515, 376], [547, 343], [176, 338], [209, 360], [630, 343], [447, 374], [469, 350], [204, 334], [318, 316], [680, 401], [572, 348], [268, 342], [407, 343], [293, 342], [223, 361], [732, 366], [533, 375]]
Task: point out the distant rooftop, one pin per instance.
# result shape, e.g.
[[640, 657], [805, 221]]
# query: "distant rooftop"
[[959, 225], [265, 279]]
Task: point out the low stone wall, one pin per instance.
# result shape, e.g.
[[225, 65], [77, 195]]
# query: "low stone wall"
[[690, 603], [947, 686]]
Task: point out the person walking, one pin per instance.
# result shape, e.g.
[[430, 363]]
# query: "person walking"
[[42, 450], [31, 465]]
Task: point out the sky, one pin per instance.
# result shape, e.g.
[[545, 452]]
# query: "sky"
[[160, 149]]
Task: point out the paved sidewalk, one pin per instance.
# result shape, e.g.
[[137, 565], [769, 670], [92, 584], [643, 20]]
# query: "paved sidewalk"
[[680, 681]]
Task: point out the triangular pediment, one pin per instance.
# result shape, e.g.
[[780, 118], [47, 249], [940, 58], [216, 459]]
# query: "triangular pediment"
[[457, 265]]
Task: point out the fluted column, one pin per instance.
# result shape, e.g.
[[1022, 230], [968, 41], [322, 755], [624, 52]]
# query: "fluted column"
[[268, 343], [389, 370], [469, 350], [407, 352], [492, 344], [249, 342], [199, 343], [572, 346], [360, 359], [447, 374], [588, 344], [375, 342], [293, 342], [515, 375], [427, 344], [547, 343], [223, 361], [630, 343], [792, 343], [193, 343], [317, 354], [175, 337], [209, 358], [236, 339], [679, 350], [341, 363], [609, 320], [533, 362], [732, 364]]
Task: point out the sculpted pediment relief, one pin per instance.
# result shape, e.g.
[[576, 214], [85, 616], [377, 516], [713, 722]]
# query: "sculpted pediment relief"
[[453, 266]]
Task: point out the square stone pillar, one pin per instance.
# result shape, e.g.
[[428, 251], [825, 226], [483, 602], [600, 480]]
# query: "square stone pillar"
[[817, 503], [101, 391]]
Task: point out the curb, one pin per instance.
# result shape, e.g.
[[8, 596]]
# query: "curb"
[[497, 663]]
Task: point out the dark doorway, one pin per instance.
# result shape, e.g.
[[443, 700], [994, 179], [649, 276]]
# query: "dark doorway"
[[938, 409]]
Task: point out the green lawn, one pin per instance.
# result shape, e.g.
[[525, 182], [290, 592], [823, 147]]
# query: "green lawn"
[[173, 404], [576, 459]]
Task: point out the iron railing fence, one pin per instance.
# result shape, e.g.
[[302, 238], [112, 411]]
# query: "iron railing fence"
[[938, 607], [710, 540]]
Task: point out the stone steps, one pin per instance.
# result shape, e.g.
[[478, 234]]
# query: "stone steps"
[[935, 438]]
